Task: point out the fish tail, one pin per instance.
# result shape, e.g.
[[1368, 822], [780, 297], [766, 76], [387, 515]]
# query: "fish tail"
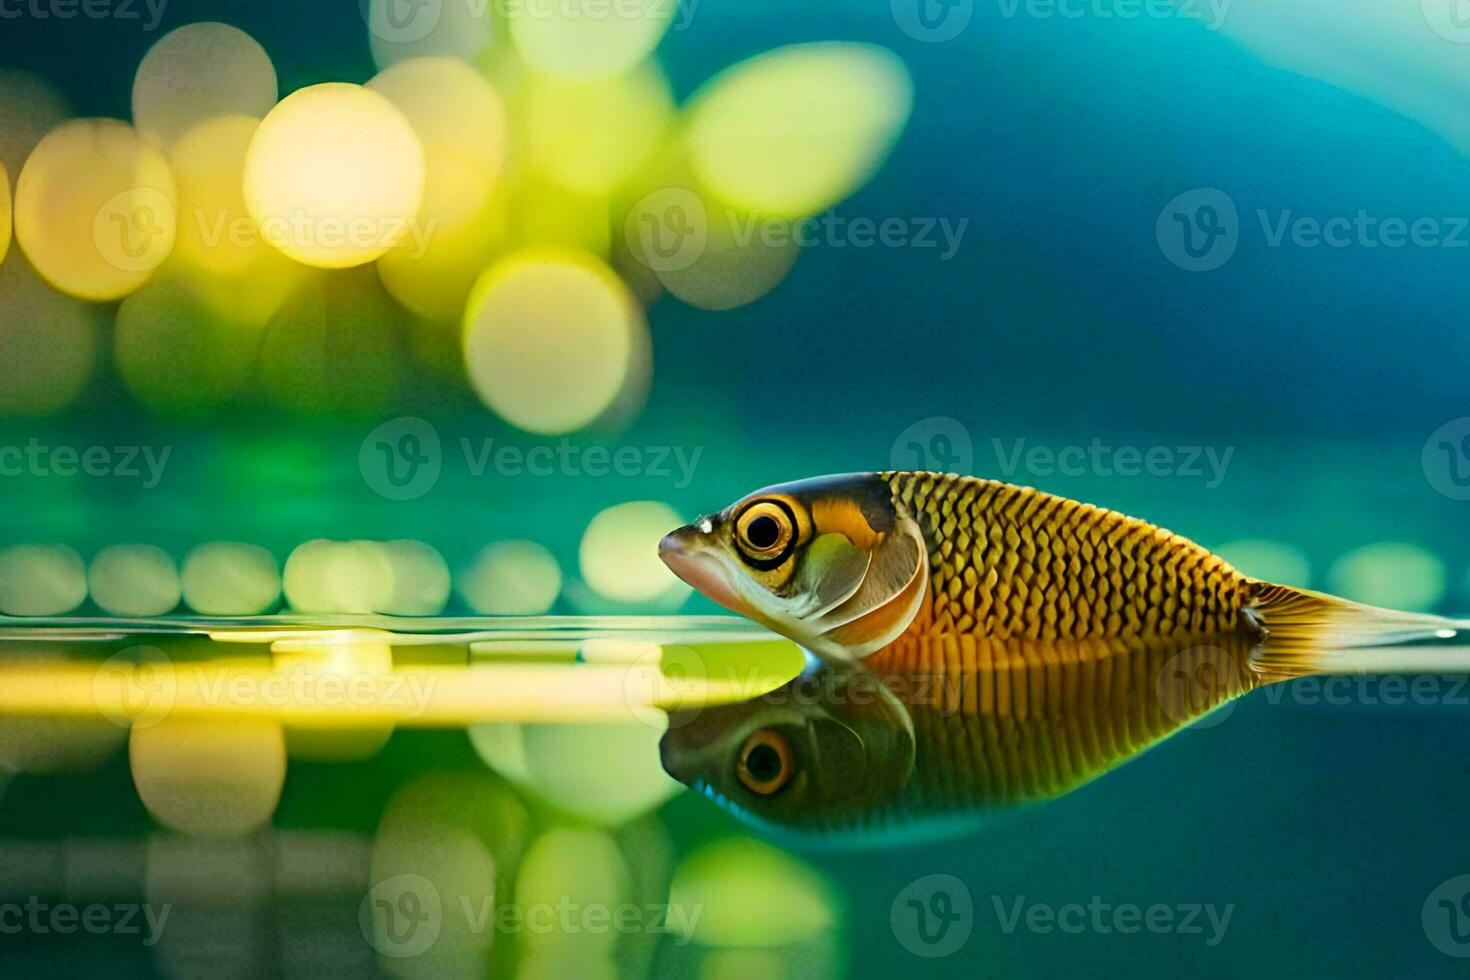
[[1315, 633]]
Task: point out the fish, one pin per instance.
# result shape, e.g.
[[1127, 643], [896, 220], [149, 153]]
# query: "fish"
[[905, 579]]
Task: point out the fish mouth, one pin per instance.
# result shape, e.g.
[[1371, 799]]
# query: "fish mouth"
[[687, 558]]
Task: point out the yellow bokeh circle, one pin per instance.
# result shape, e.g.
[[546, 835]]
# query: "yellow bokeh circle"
[[587, 39], [795, 130], [95, 209], [551, 337], [619, 552], [334, 176]]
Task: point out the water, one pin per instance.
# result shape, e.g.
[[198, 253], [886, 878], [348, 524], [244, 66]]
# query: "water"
[[1300, 392]]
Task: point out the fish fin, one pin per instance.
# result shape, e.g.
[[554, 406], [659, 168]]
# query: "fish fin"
[[894, 566], [1314, 633], [878, 627]]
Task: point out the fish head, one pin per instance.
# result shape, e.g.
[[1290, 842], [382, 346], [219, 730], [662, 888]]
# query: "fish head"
[[835, 564], [815, 757]]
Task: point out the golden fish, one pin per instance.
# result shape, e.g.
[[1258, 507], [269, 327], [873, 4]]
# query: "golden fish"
[[994, 588]]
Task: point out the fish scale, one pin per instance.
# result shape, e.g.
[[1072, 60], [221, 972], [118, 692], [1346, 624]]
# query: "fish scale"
[[1017, 562]]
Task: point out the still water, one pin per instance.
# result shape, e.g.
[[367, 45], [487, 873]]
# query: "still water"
[[468, 798]]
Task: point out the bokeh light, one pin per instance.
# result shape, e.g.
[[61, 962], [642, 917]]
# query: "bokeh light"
[[619, 552], [793, 131], [230, 578], [510, 578], [338, 577], [209, 777], [328, 667], [593, 137], [550, 339], [1269, 561], [134, 580], [605, 773], [198, 72], [178, 354], [334, 176], [460, 122], [41, 580], [95, 209], [751, 895], [420, 579], [447, 28], [48, 342], [588, 39], [1394, 574], [575, 866], [216, 232]]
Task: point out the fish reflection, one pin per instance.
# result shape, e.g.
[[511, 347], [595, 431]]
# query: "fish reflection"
[[930, 738]]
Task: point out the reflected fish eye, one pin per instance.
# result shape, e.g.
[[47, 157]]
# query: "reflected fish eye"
[[765, 533], [765, 764]]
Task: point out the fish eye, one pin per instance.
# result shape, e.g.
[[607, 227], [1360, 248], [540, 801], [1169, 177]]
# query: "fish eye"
[[765, 764], [765, 532]]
